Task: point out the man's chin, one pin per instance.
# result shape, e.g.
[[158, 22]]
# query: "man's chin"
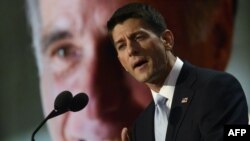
[[142, 77]]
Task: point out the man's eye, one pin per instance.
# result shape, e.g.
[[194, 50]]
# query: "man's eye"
[[63, 56], [120, 46], [66, 51], [139, 37], [61, 52]]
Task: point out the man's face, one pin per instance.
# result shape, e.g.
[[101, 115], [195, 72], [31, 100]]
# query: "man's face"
[[140, 51], [77, 56]]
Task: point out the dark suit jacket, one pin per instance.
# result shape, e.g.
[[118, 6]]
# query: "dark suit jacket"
[[214, 99]]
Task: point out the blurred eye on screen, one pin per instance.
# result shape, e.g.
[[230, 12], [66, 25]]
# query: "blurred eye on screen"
[[64, 54]]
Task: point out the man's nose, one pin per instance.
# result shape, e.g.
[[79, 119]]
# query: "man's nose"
[[132, 48]]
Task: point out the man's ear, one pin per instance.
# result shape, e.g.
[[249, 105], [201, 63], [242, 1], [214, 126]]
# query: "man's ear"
[[167, 38]]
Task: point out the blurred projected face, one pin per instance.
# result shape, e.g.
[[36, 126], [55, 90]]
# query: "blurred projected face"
[[77, 56]]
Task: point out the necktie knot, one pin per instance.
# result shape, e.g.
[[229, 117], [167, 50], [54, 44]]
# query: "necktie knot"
[[160, 100]]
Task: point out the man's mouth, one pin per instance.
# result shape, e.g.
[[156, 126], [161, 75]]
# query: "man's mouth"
[[139, 63]]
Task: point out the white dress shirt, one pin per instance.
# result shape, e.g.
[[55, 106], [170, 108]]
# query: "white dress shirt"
[[167, 90]]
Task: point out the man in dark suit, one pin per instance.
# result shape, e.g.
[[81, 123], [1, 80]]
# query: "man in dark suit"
[[197, 102]]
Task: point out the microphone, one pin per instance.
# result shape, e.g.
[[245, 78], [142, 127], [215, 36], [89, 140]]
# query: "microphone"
[[61, 104], [64, 102], [78, 102]]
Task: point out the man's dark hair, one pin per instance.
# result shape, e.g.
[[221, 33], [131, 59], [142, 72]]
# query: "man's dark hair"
[[148, 14]]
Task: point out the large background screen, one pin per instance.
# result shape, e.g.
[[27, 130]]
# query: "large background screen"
[[72, 52]]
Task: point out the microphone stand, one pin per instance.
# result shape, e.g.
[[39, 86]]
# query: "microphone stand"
[[64, 103], [51, 115]]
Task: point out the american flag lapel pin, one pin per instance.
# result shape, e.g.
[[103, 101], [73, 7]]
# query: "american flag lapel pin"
[[184, 100]]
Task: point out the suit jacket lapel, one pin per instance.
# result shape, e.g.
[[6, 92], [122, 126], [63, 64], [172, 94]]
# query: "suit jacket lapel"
[[182, 97], [146, 124]]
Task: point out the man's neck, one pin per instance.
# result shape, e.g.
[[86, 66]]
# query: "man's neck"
[[156, 86]]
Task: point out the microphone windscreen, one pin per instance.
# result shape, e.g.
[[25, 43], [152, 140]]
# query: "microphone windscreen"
[[79, 102], [63, 101]]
